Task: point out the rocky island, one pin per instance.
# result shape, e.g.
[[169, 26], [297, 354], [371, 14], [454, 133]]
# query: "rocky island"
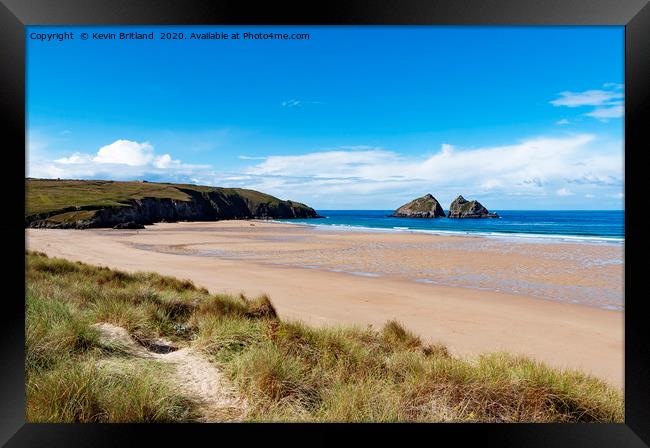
[[82, 204], [425, 207], [462, 208]]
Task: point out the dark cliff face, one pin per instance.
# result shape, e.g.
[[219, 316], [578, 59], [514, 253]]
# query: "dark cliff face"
[[462, 208], [202, 206], [425, 207]]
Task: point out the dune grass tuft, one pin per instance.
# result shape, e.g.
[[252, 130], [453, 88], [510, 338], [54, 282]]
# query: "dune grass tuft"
[[286, 370], [85, 391]]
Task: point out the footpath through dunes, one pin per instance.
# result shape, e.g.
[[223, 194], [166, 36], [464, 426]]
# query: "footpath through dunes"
[[469, 321], [192, 374]]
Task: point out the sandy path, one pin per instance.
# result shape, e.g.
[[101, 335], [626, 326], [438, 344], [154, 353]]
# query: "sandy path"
[[201, 379], [193, 375], [469, 321]]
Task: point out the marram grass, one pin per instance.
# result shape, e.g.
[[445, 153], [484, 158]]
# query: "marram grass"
[[286, 371]]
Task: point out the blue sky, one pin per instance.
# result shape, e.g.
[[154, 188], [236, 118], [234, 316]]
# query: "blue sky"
[[353, 118]]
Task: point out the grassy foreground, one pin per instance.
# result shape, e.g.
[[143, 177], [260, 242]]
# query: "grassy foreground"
[[286, 371]]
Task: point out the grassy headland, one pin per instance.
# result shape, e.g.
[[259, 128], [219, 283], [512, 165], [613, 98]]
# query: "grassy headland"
[[286, 371], [58, 202]]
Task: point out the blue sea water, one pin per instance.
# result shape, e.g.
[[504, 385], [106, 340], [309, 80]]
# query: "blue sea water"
[[576, 226]]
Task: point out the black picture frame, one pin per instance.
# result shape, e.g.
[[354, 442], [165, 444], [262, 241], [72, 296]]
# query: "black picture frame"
[[633, 14]]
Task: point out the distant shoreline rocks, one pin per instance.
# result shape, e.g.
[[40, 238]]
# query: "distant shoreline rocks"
[[428, 207], [129, 225]]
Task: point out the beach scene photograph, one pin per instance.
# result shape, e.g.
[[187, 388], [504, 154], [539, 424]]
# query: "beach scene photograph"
[[324, 224]]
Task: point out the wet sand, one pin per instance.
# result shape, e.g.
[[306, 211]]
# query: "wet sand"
[[548, 301]]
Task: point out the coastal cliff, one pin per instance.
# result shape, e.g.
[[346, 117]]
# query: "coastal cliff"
[[462, 208], [81, 204], [425, 207]]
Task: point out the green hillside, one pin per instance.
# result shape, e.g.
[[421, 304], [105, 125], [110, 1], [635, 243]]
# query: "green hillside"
[[61, 201]]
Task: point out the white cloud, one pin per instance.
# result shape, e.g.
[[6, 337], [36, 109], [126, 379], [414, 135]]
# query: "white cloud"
[[589, 196], [165, 161], [125, 152], [587, 98], [605, 113], [529, 159], [606, 103], [446, 149], [120, 159], [613, 85], [75, 158], [538, 167], [297, 103], [562, 122], [535, 169], [564, 192], [324, 164], [291, 103]]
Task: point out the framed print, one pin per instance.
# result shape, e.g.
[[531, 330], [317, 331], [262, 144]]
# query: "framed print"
[[422, 215]]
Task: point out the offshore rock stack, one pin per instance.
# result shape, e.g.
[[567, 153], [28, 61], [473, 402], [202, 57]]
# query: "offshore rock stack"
[[462, 208], [428, 207], [425, 207]]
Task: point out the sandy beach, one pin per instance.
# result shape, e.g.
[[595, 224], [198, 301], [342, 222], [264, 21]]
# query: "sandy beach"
[[559, 303]]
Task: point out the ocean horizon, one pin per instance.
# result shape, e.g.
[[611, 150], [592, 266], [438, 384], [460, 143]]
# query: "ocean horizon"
[[582, 226]]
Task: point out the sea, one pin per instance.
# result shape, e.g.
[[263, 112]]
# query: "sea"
[[591, 227]]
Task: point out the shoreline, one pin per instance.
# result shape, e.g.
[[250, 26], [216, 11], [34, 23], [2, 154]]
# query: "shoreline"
[[518, 289], [226, 256], [526, 237], [469, 321]]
